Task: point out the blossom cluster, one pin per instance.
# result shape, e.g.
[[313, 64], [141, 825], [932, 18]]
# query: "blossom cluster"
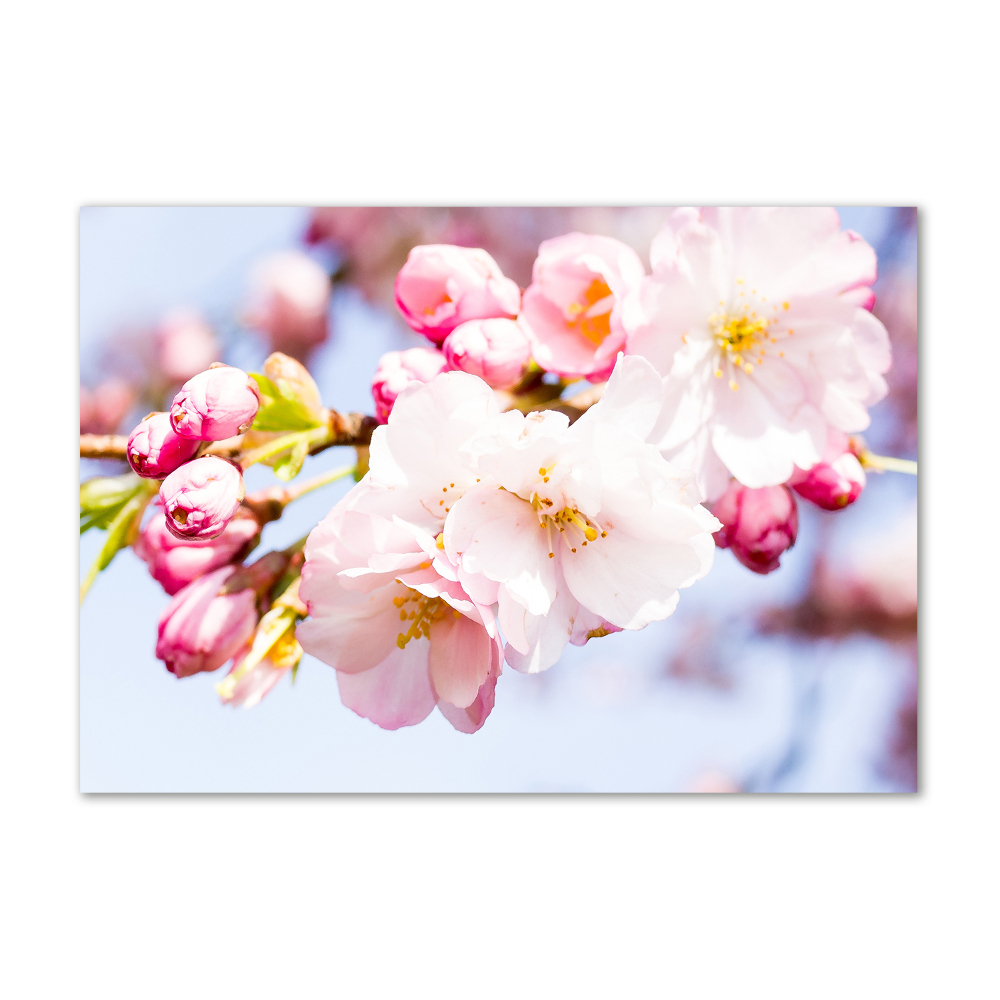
[[504, 512]]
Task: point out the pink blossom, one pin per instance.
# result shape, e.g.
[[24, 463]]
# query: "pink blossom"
[[154, 450], [836, 480], [215, 404], [397, 369], [175, 562], [573, 307], [442, 286], [389, 614], [757, 524], [201, 497], [185, 345], [289, 301], [103, 409], [494, 349], [201, 628]]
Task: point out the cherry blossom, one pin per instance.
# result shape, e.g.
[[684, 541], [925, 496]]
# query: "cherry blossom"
[[758, 320], [585, 529], [573, 307]]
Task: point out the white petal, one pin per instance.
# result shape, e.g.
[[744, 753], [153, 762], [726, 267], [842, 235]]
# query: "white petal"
[[497, 534]]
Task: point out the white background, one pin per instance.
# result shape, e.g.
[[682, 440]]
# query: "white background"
[[496, 896]]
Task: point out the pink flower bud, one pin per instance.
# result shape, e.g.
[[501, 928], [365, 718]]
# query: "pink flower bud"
[[836, 480], [103, 409], [201, 628], [288, 301], [174, 562], [758, 525], [185, 345], [154, 450], [397, 369], [202, 497], [442, 286], [215, 404], [494, 349]]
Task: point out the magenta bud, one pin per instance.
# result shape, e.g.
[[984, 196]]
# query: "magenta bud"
[[397, 369], [758, 525], [835, 481], [154, 449], [494, 349], [201, 628], [175, 562], [215, 404], [201, 498]]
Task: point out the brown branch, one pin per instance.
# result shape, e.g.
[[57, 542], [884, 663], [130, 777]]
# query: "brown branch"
[[103, 446]]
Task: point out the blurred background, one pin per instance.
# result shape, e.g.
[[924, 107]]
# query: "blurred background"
[[801, 681]]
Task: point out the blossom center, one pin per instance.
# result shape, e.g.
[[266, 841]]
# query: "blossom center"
[[591, 315], [581, 529], [741, 338], [422, 612]]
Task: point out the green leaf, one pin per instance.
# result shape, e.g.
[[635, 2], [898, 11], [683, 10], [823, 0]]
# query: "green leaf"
[[266, 386], [295, 668], [288, 466], [284, 415], [117, 538], [102, 499]]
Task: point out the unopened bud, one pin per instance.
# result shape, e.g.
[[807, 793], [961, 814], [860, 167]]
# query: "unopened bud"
[[175, 562], [494, 349], [201, 629], [442, 286], [397, 369], [215, 404], [758, 525], [201, 498], [836, 480], [155, 449]]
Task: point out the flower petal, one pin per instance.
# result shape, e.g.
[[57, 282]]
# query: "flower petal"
[[398, 692]]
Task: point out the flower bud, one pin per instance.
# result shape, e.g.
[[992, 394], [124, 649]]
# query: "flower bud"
[[202, 497], [174, 563], [201, 628], [103, 409], [154, 450], [288, 301], [215, 404], [836, 480], [758, 525], [440, 287], [494, 349], [397, 369]]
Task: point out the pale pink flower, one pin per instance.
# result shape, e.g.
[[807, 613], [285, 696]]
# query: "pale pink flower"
[[583, 530], [494, 349], [573, 307], [175, 562], [757, 524], [215, 404], [289, 301], [103, 409], [201, 628], [758, 320], [397, 369], [402, 637], [836, 480], [155, 450], [202, 497], [185, 345], [442, 286]]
